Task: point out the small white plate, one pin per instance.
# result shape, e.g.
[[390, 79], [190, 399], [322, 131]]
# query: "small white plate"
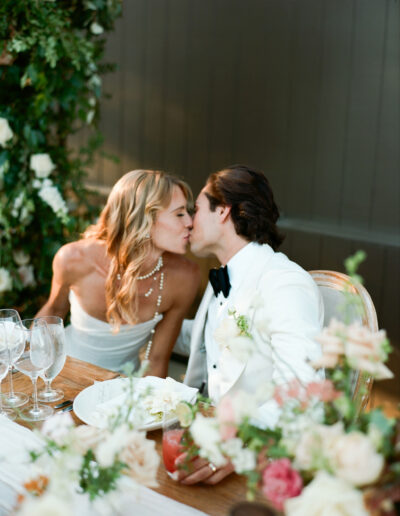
[[86, 403]]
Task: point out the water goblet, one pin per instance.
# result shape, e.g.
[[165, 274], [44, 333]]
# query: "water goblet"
[[171, 442], [10, 318], [56, 328], [39, 357], [4, 363]]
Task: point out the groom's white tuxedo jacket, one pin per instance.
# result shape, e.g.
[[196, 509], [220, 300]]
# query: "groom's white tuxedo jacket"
[[292, 310]]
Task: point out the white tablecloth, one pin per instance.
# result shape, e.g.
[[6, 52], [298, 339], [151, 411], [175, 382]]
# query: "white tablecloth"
[[14, 469]]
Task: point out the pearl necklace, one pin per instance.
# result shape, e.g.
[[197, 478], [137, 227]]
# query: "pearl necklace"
[[156, 313], [158, 266]]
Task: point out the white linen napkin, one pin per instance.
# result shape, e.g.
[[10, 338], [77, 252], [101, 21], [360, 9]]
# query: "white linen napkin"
[[154, 396]]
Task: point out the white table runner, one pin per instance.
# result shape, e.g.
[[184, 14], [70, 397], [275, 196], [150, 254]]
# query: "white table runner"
[[15, 440]]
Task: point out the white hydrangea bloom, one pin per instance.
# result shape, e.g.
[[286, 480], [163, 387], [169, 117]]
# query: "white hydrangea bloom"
[[20, 257], [242, 458], [5, 280], [206, 435], [96, 28], [42, 165], [27, 275], [5, 131], [51, 196]]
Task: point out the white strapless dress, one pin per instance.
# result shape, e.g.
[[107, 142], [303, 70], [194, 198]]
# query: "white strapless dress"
[[92, 340]]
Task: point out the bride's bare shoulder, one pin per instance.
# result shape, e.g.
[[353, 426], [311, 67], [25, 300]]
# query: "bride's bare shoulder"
[[78, 257]]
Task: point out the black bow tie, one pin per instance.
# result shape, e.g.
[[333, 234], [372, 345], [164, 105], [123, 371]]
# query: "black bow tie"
[[219, 279]]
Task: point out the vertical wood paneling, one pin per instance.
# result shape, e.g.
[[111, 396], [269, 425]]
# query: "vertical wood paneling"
[[176, 80], [306, 80], [384, 194], [364, 111], [306, 249], [134, 42], [331, 125], [154, 84], [390, 297]]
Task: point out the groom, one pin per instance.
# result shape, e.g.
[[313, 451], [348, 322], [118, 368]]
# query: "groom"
[[235, 221]]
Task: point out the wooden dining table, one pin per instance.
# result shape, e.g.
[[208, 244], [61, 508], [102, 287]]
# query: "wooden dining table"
[[213, 500]]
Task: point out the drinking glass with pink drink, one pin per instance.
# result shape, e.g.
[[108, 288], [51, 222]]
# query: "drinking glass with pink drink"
[[171, 442]]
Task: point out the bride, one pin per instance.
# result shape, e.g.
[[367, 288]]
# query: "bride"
[[125, 281]]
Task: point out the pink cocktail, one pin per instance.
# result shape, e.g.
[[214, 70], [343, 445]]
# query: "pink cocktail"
[[172, 448]]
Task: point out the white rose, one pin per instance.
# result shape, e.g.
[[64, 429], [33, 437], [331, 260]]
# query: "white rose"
[[5, 131], [226, 331], [20, 257], [142, 459], [27, 275], [5, 280], [85, 437], [58, 427], [42, 165], [354, 458], [206, 435], [315, 444], [108, 449], [46, 505], [242, 348], [96, 28], [327, 496]]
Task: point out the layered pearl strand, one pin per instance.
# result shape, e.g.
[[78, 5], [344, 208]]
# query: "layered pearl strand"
[[158, 267]]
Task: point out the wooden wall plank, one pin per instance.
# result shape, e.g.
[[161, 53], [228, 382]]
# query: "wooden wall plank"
[[134, 43], [306, 81], [384, 195], [364, 111], [333, 105], [179, 27]]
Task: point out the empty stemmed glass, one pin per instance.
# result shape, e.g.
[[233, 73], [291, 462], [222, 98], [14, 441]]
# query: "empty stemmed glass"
[[4, 363], [10, 318], [56, 328], [38, 357]]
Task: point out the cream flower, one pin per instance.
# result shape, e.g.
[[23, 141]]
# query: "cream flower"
[[226, 331], [5, 131], [110, 447], [42, 165], [85, 437], [242, 458], [206, 435], [20, 257], [315, 444], [354, 458], [96, 28], [332, 344], [58, 427], [327, 496], [142, 459], [27, 275], [5, 280]]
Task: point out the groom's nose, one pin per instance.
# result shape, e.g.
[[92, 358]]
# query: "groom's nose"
[[188, 221]]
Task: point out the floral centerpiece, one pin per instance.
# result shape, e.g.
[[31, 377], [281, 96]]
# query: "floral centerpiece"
[[88, 470], [324, 455]]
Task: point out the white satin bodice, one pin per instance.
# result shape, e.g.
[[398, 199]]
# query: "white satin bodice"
[[92, 340]]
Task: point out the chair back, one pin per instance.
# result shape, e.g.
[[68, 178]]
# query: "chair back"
[[333, 286]]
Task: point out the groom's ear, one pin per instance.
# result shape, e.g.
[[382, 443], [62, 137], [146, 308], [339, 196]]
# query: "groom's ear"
[[224, 212]]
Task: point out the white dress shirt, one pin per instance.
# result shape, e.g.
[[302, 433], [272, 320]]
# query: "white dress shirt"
[[218, 308]]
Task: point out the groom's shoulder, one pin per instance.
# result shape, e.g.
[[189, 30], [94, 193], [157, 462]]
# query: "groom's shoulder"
[[281, 267]]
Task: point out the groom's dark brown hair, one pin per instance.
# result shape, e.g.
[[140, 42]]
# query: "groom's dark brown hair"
[[253, 209]]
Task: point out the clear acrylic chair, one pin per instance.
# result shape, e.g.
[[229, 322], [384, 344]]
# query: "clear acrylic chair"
[[332, 286]]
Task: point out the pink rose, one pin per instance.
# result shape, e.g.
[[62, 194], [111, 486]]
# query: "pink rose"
[[324, 391], [292, 390], [226, 419], [280, 482]]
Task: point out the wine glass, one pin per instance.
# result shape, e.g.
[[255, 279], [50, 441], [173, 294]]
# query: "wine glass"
[[4, 363], [171, 442], [10, 318], [56, 328], [39, 357]]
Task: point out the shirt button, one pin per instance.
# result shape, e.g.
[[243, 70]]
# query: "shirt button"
[[215, 366], [221, 303]]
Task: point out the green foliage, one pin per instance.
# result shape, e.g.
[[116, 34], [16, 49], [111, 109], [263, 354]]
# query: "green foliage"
[[95, 480], [50, 86]]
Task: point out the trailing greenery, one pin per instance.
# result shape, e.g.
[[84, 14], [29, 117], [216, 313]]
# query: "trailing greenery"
[[50, 85]]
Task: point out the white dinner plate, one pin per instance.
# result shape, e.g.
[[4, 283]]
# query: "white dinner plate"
[[87, 402]]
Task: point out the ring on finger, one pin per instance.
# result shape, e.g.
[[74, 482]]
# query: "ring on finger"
[[212, 466]]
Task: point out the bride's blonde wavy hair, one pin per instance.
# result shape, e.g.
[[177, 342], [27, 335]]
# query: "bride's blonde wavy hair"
[[125, 225]]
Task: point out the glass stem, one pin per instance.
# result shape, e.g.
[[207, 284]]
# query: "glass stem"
[[35, 402], [11, 381], [48, 385]]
